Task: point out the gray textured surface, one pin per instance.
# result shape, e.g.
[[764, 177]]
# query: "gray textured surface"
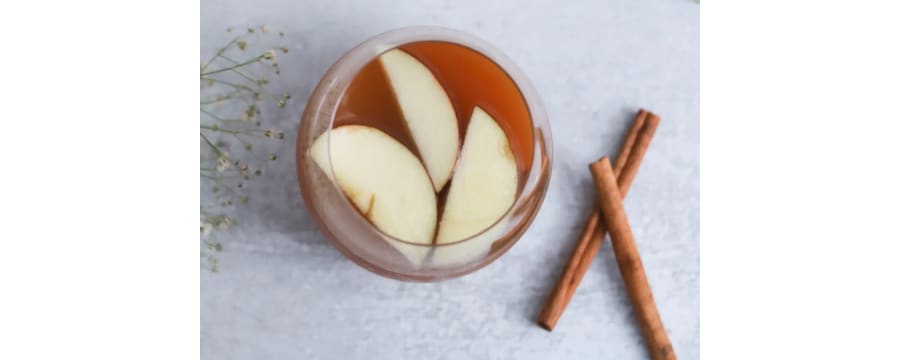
[[284, 293]]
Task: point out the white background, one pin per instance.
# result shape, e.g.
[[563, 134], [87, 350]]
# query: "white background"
[[798, 179]]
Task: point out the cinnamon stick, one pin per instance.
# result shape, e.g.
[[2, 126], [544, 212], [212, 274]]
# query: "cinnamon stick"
[[609, 199], [625, 150], [631, 153]]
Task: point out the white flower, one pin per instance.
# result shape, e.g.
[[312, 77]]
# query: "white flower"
[[225, 223], [205, 229], [265, 28], [223, 163], [269, 55]]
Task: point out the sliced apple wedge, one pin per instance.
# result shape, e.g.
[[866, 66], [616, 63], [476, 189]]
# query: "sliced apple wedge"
[[428, 113], [386, 183], [483, 189]]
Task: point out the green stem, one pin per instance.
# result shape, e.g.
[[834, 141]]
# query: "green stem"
[[242, 141], [228, 131], [218, 98], [213, 146], [233, 61], [218, 181], [242, 74], [243, 87], [236, 95], [233, 121], [225, 121], [236, 86], [220, 52], [248, 62], [214, 116], [254, 155], [219, 178]]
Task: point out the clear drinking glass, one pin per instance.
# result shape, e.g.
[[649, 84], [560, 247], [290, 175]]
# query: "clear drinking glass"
[[358, 239]]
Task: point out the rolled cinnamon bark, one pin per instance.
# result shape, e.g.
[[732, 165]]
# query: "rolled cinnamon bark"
[[628, 258]]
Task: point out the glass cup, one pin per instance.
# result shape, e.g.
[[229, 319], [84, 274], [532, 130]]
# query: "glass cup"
[[362, 242]]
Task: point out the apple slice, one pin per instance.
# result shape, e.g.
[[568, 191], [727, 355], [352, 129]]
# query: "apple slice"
[[385, 181], [483, 189], [428, 113]]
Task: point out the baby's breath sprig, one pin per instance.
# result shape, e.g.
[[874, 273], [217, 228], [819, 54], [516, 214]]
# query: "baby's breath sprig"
[[233, 101]]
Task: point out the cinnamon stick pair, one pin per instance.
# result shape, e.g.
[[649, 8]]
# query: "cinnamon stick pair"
[[612, 185], [631, 153]]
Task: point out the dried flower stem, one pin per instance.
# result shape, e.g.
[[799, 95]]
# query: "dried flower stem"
[[210, 143], [217, 118], [220, 98], [238, 84], [235, 66], [223, 120], [242, 87], [219, 53], [241, 73], [248, 132], [231, 84]]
